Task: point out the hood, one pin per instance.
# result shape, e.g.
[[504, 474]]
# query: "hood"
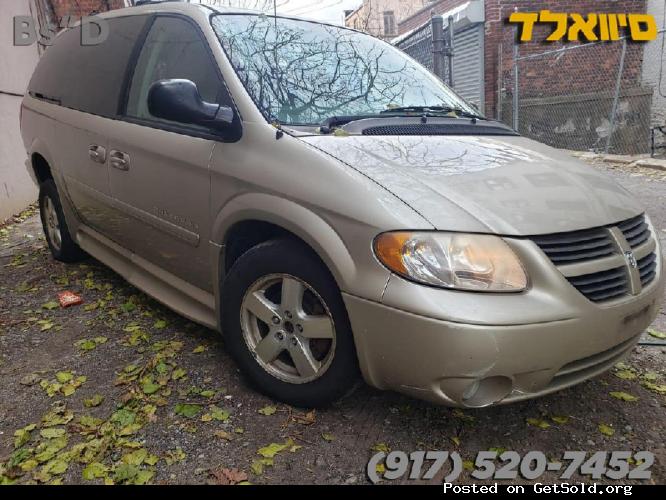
[[501, 184]]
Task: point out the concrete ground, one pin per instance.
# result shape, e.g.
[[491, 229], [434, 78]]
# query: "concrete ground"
[[120, 389]]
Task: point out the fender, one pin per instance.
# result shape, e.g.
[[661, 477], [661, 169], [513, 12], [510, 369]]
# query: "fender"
[[38, 146], [295, 218], [308, 226]]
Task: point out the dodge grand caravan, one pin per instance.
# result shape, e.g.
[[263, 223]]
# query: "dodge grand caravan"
[[333, 209]]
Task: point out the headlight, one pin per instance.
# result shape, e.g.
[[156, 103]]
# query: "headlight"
[[451, 260]]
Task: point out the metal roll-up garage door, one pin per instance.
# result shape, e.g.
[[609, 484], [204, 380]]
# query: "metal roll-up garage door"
[[468, 75]]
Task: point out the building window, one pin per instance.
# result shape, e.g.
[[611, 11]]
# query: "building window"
[[389, 23]]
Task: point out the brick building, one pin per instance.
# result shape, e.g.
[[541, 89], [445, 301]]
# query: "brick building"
[[85, 7], [381, 17], [499, 37], [53, 11]]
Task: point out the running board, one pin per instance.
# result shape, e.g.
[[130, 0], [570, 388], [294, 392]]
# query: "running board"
[[184, 298]]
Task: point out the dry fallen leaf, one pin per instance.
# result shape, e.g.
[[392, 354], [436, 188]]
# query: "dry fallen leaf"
[[305, 418], [224, 435], [30, 379], [224, 476]]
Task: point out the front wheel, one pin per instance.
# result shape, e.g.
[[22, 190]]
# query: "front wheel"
[[285, 324]]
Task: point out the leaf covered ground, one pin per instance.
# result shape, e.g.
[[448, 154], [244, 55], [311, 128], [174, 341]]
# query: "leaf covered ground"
[[121, 390]]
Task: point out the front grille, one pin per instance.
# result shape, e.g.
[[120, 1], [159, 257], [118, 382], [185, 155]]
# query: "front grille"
[[606, 272], [577, 246], [647, 266], [604, 285], [635, 230]]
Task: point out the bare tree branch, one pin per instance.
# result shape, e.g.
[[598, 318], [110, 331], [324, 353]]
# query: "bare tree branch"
[[300, 73]]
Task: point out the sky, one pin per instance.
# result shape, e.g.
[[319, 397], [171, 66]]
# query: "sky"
[[331, 11]]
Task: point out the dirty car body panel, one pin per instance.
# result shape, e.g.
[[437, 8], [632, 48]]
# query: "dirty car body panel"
[[164, 204]]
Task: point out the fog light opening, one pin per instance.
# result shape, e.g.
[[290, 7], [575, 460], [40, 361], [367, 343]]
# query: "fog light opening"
[[471, 390], [486, 391]]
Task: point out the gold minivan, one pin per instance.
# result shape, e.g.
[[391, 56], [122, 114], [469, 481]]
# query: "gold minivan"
[[333, 209]]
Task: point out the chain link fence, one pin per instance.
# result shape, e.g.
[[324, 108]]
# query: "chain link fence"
[[432, 45], [419, 45], [600, 97], [585, 97]]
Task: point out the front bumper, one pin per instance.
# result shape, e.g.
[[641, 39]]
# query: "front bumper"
[[474, 350]]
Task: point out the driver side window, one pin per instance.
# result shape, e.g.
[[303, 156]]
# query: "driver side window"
[[173, 49]]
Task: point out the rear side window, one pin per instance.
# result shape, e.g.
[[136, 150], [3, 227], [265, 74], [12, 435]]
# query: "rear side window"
[[87, 78], [174, 49]]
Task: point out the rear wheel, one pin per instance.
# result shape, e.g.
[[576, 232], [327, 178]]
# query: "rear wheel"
[[57, 234], [286, 325]]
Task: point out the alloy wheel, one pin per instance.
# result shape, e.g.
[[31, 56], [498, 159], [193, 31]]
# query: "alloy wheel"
[[52, 224], [288, 328]]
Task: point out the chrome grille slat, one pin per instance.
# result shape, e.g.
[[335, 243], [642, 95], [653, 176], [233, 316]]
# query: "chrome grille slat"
[[638, 240], [595, 278], [560, 257], [635, 230], [649, 269], [647, 266], [648, 273], [600, 255], [631, 223], [603, 285], [587, 245], [575, 237], [646, 261], [608, 295], [577, 246]]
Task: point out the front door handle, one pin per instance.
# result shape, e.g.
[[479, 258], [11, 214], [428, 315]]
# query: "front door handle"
[[97, 153], [119, 160]]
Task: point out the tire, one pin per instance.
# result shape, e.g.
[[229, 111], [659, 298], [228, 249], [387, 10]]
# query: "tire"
[[332, 367], [55, 228]]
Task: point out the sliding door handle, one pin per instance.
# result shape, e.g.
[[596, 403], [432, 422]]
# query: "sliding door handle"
[[119, 160], [97, 153]]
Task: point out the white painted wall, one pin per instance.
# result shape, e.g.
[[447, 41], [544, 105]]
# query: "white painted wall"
[[16, 65], [654, 65]]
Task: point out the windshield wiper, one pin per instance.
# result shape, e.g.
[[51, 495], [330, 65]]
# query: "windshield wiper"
[[327, 126], [335, 121], [433, 111]]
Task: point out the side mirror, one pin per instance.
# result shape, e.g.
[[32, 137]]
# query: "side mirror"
[[180, 101]]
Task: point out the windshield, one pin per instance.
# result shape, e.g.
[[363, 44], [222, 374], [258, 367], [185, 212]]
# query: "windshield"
[[301, 72]]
